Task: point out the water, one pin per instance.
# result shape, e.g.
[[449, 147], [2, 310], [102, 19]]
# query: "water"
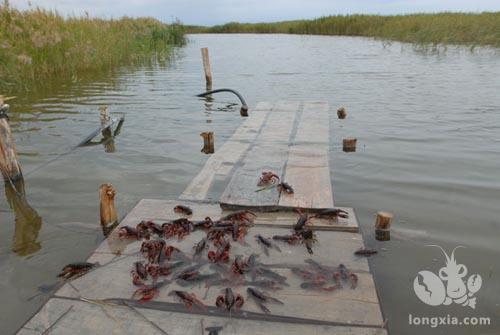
[[428, 129]]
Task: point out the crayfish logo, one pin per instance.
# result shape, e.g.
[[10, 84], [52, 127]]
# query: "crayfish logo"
[[449, 285]]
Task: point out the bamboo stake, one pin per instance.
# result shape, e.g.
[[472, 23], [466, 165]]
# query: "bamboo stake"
[[9, 162], [206, 67], [208, 142], [109, 216], [383, 226]]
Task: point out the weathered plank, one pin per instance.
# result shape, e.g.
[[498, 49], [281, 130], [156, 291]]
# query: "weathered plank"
[[307, 168], [314, 126], [269, 153], [88, 318], [223, 160]]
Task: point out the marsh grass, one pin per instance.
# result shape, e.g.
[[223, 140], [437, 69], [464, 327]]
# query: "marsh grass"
[[37, 45], [481, 29]]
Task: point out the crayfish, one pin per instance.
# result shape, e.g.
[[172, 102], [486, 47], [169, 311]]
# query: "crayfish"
[[139, 274], [261, 298], [268, 178], [188, 299], [153, 250], [332, 213], [266, 244], [221, 254], [183, 210], [77, 269], [148, 292], [229, 300]]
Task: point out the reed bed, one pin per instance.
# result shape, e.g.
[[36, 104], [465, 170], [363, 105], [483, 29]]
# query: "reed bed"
[[37, 45], [481, 29]]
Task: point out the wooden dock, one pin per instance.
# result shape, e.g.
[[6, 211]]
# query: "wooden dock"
[[288, 138]]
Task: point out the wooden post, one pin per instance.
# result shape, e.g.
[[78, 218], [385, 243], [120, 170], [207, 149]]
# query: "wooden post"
[[9, 163], [109, 216], [349, 144], [341, 113], [244, 110], [104, 115], [206, 66], [208, 142], [383, 226]]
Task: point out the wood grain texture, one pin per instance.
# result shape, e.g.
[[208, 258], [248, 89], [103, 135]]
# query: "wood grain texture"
[[9, 162], [269, 153], [88, 318], [220, 164], [307, 169]]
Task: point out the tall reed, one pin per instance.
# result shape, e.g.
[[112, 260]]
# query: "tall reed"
[[37, 45], [481, 29]]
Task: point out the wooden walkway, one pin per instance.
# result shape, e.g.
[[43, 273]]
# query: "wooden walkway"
[[289, 138]]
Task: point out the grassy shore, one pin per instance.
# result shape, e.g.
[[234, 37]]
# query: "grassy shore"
[[482, 29], [37, 45]]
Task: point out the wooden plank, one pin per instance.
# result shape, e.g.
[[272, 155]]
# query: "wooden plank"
[[308, 172], [269, 153], [307, 168], [223, 160], [314, 126], [88, 318]]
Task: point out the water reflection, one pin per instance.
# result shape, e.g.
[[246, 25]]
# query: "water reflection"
[[108, 138], [28, 222]]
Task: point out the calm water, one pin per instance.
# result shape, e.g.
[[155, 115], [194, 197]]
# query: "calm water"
[[428, 128]]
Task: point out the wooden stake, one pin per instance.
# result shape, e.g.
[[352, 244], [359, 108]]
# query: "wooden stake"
[[206, 66], [9, 162], [349, 144], [244, 110], [109, 216], [383, 226], [341, 113], [208, 142], [104, 115]]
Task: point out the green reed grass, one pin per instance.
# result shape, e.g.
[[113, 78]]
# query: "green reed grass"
[[37, 45], [481, 29]]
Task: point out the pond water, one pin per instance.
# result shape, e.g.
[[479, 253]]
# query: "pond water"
[[428, 129]]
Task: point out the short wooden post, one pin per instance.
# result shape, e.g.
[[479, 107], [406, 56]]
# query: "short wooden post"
[[109, 216], [244, 110], [349, 144], [9, 162], [206, 66], [208, 142], [341, 113], [104, 115], [108, 140], [383, 226]]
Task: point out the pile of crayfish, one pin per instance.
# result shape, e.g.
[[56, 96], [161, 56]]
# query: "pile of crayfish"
[[210, 263], [213, 261]]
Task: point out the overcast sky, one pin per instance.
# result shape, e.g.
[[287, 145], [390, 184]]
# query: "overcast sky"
[[209, 12]]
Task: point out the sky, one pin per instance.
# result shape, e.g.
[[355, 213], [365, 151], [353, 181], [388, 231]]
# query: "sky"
[[211, 12]]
